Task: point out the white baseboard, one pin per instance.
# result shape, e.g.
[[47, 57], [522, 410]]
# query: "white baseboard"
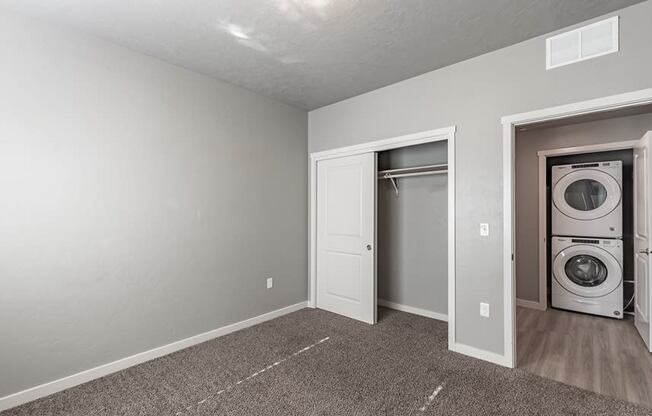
[[492, 357], [413, 310], [55, 386], [531, 304]]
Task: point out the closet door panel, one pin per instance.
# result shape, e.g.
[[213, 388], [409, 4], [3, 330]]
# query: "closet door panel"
[[345, 236], [643, 238]]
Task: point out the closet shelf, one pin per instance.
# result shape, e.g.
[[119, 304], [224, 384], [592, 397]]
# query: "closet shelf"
[[393, 174]]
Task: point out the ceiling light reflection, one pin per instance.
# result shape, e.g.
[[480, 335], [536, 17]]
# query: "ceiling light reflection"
[[236, 31]]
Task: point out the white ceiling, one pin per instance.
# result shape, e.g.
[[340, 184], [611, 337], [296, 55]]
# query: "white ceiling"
[[310, 53]]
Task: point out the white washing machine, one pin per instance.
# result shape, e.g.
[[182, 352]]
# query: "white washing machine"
[[587, 199], [587, 275]]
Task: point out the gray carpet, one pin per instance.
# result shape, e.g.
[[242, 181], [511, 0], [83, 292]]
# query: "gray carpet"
[[326, 365]]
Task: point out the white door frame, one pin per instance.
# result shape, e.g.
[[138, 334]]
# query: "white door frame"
[[609, 103], [543, 155], [446, 133]]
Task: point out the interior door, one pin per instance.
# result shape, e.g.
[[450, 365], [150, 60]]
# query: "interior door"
[[346, 195], [642, 240]]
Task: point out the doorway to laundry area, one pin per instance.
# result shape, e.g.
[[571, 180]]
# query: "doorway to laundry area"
[[580, 297]]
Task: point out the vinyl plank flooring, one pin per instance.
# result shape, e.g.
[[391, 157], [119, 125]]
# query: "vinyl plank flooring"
[[580, 352], [599, 354]]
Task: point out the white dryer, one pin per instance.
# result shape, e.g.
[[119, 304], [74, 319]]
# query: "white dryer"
[[587, 199], [587, 275]]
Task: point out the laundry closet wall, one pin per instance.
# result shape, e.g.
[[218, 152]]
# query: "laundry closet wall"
[[413, 230], [528, 143]]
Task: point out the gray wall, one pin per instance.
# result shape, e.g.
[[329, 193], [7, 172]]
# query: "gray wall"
[[474, 95], [412, 231], [528, 143], [141, 203]]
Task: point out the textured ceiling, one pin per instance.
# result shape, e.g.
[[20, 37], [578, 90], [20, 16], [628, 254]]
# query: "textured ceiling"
[[310, 53]]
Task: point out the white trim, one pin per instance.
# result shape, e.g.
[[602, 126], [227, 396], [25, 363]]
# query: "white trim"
[[591, 148], [387, 144], [413, 310], [598, 105], [613, 102], [509, 306], [542, 237], [446, 133], [376, 240], [492, 357], [531, 304], [451, 238], [85, 376], [613, 21], [312, 263]]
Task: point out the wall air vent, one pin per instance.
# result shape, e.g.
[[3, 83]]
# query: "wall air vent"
[[596, 39]]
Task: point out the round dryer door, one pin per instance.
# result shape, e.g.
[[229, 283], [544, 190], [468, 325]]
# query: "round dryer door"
[[586, 194], [587, 271]]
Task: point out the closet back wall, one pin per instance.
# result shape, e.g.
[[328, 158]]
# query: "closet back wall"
[[141, 203], [413, 231]]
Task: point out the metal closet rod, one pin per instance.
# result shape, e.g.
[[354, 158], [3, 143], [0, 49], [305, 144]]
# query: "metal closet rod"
[[403, 175], [414, 171], [393, 174]]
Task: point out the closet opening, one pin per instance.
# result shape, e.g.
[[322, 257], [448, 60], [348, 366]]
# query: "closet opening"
[[412, 229], [382, 228]]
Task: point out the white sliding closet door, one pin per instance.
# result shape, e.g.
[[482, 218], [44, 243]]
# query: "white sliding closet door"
[[642, 237], [346, 194]]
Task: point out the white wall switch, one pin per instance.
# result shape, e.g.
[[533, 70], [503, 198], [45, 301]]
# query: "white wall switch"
[[484, 310], [484, 229], [270, 283]]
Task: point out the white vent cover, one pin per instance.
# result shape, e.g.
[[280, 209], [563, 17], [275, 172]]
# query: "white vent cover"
[[583, 43]]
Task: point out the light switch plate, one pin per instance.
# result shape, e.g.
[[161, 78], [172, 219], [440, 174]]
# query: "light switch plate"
[[484, 229], [270, 283], [484, 309]]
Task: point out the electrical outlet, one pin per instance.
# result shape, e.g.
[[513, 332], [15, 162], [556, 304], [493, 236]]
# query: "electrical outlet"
[[270, 283], [484, 309], [484, 229]]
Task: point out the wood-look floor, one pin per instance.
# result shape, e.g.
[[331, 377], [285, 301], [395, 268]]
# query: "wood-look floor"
[[603, 355]]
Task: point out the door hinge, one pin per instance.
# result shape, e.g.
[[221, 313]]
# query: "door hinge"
[[512, 256]]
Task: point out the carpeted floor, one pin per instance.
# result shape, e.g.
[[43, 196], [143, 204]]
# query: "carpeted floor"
[[318, 363]]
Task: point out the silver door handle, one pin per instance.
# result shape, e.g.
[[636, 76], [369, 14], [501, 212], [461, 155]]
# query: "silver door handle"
[[646, 251], [368, 247]]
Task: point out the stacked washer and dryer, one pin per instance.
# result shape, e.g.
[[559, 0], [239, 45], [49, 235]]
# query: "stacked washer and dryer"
[[587, 238]]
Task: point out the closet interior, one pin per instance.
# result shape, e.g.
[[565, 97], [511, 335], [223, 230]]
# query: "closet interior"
[[412, 221]]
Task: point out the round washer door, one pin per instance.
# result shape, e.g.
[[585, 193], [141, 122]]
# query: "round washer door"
[[587, 271], [586, 194]]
